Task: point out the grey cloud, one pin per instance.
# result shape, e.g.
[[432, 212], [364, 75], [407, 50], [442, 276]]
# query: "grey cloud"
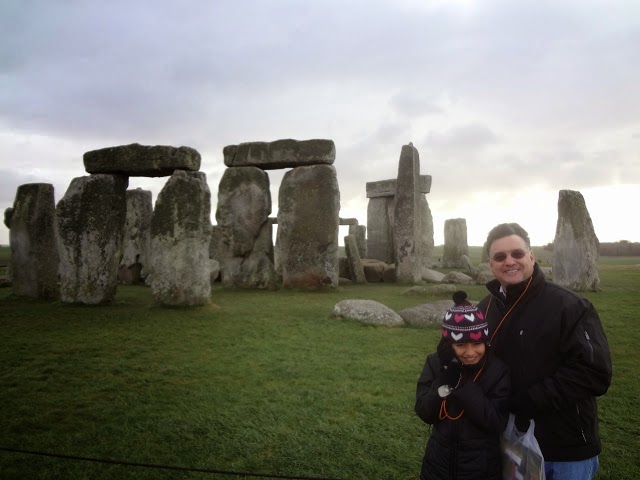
[[466, 137], [412, 105]]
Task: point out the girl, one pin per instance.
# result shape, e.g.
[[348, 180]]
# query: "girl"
[[462, 392]]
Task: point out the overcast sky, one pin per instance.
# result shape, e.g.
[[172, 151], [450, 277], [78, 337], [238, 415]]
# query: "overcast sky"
[[506, 101]]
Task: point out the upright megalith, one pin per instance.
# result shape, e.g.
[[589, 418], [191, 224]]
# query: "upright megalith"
[[142, 160], [425, 231], [575, 247], [89, 220], [34, 254], [245, 245], [380, 242], [286, 153], [308, 224], [8, 213], [354, 261], [136, 255], [455, 243], [180, 236], [406, 210], [360, 234]]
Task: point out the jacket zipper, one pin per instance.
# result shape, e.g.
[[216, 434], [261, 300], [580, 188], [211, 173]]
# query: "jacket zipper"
[[580, 423], [586, 335]]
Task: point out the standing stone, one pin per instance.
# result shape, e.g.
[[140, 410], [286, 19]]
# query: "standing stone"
[[425, 232], [406, 225], [137, 234], [8, 213], [180, 235], [360, 234], [381, 195], [356, 269], [89, 219], [575, 247], [34, 254], [380, 244], [246, 246], [455, 243], [308, 225]]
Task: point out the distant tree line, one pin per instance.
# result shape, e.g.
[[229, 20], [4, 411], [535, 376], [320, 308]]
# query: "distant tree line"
[[622, 248]]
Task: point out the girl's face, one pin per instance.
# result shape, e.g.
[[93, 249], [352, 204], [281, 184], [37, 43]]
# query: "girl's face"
[[469, 353]]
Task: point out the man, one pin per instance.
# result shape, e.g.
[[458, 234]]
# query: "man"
[[553, 341]]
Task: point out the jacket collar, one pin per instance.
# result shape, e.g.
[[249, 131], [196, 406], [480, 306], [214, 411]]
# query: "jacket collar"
[[514, 291]]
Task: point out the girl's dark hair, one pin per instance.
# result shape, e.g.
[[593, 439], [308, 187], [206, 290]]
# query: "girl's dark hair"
[[504, 230]]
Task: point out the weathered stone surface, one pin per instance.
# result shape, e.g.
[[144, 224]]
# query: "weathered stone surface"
[[432, 276], [406, 225], [356, 269], [8, 213], [380, 244], [469, 267], [32, 237], [387, 188], [214, 270], [180, 236], [348, 221], [245, 249], [89, 220], [373, 270], [343, 267], [425, 242], [484, 276], [575, 247], [216, 246], [308, 216], [359, 232], [137, 160], [426, 314], [444, 289], [137, 235], [455, 242], [458, 278], [389, 274], [368, 312], [285, 153]]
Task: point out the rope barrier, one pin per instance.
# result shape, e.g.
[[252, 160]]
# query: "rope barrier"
[[164, 467]]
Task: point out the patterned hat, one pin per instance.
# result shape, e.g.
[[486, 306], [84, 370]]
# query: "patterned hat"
[[464, 323]]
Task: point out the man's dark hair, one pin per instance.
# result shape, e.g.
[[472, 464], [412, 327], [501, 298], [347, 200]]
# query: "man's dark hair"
[[504, 230]]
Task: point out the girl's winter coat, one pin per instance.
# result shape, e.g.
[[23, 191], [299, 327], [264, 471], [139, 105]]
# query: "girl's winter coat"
[[469, 447]]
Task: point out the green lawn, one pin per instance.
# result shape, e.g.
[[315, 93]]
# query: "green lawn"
[[257, 381], [262, 382]]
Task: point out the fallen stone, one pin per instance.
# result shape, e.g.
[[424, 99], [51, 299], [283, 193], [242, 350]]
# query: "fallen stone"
[[426, 314], [444, 289], [367, 312], [458, 278]]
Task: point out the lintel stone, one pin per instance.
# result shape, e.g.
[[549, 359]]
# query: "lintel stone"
[[387, 188], [137, 160], [286, 153]]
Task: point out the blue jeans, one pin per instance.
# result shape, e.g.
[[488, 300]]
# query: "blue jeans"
[[582, 470]]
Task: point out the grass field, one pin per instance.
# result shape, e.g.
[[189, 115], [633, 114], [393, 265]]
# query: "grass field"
[[264, 382]]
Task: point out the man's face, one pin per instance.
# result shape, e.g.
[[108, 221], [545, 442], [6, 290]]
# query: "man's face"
[[508, 269]]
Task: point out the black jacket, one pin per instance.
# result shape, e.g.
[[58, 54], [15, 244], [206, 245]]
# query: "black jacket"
[[467, 448], [558, 353]]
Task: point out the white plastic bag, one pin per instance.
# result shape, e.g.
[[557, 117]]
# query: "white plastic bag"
[[521, 455]]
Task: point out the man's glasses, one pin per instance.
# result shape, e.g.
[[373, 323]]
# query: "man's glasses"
[[517, 254]]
